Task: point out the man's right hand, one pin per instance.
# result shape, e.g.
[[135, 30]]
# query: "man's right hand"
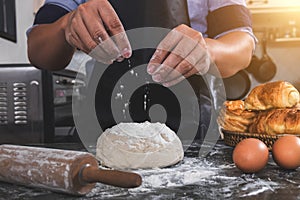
[[95, 28]]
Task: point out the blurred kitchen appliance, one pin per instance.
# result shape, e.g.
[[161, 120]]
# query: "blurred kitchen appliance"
[[62, 99], [26, 104], [65, 87], [258, 72], [263, 69], [237, 86]]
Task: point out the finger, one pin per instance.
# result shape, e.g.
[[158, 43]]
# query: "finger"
[[97, 53], [163, 50], [110, 48], [81, 37], [115, 27], [86, 43], [180, 78], [198, 59], [197, 54], [156, 61], [191, 33], [122, 42], [180, 52], [203, 65], [173, 82], [181, 69], [100, 55], [75, 42], [98, 33], [162, 69]]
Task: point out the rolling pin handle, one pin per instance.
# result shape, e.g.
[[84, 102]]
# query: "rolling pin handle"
[[92, 174]]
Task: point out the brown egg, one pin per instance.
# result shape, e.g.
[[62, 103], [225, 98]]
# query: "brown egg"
[[286, 152], [250, 155]]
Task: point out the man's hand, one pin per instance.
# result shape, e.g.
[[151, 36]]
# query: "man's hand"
[[90, 27], [182, 53]]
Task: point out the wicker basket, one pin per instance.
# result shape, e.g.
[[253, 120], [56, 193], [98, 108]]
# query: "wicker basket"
[[233, 138]]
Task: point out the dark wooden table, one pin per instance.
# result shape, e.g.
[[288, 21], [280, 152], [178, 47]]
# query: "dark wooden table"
[[212, 177]]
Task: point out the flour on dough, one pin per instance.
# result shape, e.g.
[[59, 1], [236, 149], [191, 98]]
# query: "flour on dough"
[[139, 146]]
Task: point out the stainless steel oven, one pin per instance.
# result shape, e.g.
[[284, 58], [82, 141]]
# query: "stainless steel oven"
[[26, 104], [36, 105]]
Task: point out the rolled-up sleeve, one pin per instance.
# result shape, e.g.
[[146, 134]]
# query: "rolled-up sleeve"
[[227, 16], [68, 5], [215, 18], [53, 10]]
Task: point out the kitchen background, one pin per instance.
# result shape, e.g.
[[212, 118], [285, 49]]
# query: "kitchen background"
[[35, 105]]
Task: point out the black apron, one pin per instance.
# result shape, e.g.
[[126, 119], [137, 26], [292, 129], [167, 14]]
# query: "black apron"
[[151, 13]]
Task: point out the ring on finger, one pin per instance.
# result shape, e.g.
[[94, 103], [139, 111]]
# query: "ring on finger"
[[100, 40]]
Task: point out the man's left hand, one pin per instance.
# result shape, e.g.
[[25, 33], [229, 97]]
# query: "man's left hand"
[[182, 53]]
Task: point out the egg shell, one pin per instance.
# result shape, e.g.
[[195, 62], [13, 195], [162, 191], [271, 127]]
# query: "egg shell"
[[250, 155], [286, 152]]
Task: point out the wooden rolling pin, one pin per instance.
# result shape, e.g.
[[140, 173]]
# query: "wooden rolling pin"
[[64, 171]]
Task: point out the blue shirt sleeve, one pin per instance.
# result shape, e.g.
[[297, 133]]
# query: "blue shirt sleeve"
[[68, 5], [53, 10], [49, 13]]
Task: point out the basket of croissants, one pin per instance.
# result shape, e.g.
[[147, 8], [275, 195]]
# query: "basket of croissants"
[[270, 111]]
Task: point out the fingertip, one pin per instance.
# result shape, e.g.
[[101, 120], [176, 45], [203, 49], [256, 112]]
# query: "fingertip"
[[120, 59], [127, 52], [168, 84], [173, 82], [150, 69], [108, 62], [157, 78]]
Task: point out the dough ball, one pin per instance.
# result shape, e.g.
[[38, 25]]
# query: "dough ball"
[[139, 146]]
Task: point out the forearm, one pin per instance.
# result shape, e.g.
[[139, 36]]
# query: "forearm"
[[231, 52], [47, 46]]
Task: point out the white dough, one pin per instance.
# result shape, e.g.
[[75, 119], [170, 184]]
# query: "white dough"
[[139, 146]]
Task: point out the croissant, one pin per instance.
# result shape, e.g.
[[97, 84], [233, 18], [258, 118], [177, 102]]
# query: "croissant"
[[277, 121], [279, 94], [234, 117]]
